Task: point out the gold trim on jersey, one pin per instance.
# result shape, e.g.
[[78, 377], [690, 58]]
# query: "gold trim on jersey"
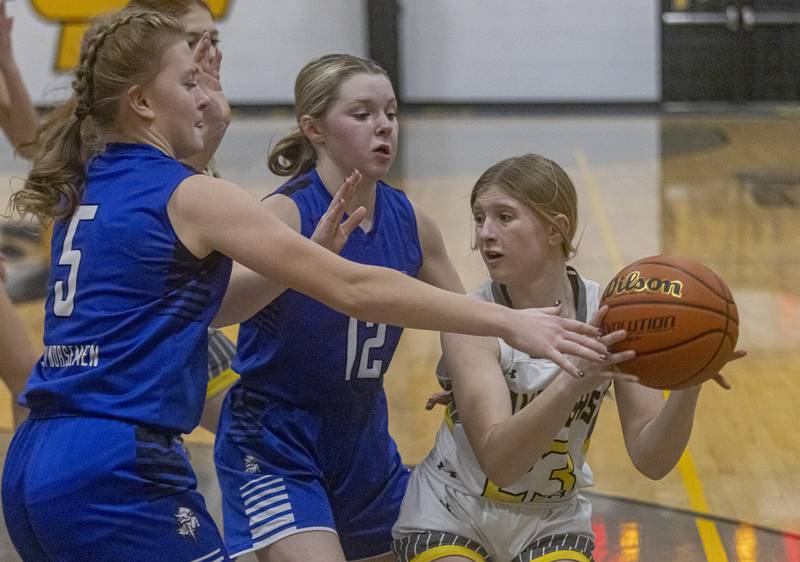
[[448, 550], [448, 416], [221, 382], [562, 555]]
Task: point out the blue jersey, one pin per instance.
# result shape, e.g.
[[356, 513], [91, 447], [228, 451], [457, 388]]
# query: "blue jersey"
[[304, 352], [128, 305]]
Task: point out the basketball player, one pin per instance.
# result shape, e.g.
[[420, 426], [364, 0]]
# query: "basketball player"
[[309, 416], [21, 123], [142, 254], [503, 480], [15, 348], [196, 17]]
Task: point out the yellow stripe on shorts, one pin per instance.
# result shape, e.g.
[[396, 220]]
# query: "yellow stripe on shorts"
[[562, 555], [448, 550], [221, 382]]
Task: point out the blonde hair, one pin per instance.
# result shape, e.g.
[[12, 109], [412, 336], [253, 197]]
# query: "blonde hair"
[[541, 185], [315, 89], [119, 50]]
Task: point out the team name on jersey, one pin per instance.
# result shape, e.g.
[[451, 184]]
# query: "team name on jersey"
[[71, 356]]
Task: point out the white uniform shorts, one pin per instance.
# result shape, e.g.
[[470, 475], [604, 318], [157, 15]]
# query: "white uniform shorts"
[[437, 520]]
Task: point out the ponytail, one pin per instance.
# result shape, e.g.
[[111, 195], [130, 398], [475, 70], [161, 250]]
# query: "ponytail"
[[292, 156]]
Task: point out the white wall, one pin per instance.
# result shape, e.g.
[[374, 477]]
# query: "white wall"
[[530, 50], [265, 42], [451, 50]]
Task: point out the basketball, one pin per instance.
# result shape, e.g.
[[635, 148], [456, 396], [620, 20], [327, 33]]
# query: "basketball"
[[680, 317]]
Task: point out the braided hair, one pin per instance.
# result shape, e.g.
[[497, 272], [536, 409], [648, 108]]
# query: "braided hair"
[[119, 50]]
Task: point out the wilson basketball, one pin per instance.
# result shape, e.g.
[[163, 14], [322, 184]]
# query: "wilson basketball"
[[680, 317]]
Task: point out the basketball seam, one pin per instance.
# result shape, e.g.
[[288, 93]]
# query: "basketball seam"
[[671, 347], [673, 266], [721, 340], [687, 305]]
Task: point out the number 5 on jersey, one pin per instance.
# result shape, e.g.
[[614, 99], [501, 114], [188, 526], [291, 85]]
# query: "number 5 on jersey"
[[63, 305], [359, 365]]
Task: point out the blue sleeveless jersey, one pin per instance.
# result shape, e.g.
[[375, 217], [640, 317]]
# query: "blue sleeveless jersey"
[[304, 352], [128, 306]]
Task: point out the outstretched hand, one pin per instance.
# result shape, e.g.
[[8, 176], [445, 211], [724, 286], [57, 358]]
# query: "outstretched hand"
[[331, 232], [541, 332], [208, 61]]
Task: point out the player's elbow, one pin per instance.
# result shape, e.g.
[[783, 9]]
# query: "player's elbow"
[[654, 469], [498, 470], [500, 475]]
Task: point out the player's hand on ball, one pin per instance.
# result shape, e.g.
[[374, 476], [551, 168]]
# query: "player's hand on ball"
[[595, 371], [541, 332], [719, 378]]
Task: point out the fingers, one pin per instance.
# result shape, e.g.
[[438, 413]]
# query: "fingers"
[[722, 381], [202, 49], [354, 220], [348, 188], [579, 327], [620, 357], [582, 341], [598, 316], [216, 63], [738, 354], [566, 365], [579, 350], [614, 337], [626, 377]]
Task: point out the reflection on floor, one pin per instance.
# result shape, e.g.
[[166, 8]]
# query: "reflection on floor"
[[632, 531]]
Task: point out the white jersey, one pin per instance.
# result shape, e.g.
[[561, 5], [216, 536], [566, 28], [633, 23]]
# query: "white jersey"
[[562, 471]]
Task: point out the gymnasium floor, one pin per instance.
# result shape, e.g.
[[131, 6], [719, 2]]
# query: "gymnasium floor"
[[723, 189]]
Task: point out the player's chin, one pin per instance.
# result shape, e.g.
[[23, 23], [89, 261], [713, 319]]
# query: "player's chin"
[[190, 147]]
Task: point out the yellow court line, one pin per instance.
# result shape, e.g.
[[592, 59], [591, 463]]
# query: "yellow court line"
[[706, 528]]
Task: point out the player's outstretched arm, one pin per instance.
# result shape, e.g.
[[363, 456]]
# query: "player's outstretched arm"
[[18, 117], [507, 445], [656, 431], [211, 214]]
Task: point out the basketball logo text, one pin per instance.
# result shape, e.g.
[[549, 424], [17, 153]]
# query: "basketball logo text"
[[635, 283], [640, 326]]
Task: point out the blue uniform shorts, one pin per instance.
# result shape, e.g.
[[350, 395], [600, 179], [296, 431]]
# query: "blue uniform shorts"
[[284, 470], [86, 489]]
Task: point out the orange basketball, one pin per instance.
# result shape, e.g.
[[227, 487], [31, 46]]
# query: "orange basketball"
[[680, 318]]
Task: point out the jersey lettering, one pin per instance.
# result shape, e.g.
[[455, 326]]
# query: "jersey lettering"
[[359, 365], [64, 305]]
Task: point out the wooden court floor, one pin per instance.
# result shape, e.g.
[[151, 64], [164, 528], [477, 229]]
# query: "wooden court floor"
[[722, 189]]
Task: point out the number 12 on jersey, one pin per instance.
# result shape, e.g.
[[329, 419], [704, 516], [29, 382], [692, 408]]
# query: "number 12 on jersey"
[[359, 365]]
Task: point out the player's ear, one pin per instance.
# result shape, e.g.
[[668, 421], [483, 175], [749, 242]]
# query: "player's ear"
[[312, 129], [136, 99], [561, 225]]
